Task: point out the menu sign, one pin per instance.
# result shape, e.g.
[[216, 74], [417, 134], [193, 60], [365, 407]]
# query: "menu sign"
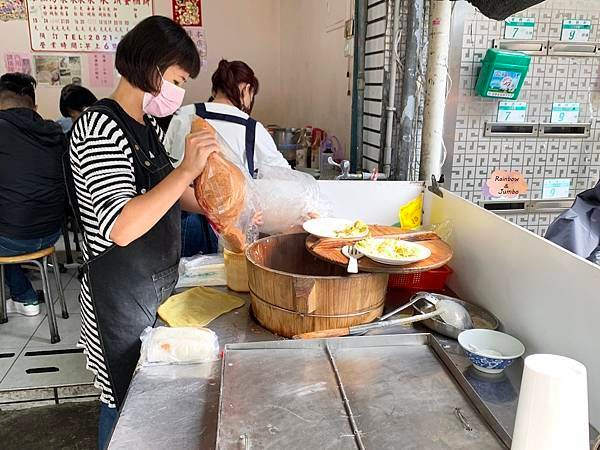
[[83, 25]]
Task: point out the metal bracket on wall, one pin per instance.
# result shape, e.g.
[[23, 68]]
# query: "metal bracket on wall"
[[435, 187], [509, 129], [534, 129], [530, 47], [561, 48], [565, 130], [520, 206]]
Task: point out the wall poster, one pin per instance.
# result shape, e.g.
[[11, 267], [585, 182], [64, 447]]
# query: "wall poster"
[[18, 62], [199, 38], [57, 70], [12, 10], [101, 70], [83, 26], [187, 13]]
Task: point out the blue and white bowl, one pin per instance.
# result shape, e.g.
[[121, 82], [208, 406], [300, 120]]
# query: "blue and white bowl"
[[490, 351]]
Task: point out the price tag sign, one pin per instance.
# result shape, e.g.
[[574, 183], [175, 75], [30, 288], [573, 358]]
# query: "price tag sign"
[[565, 113], [512, 112], [519, 28], [576, 30], [556, 188]]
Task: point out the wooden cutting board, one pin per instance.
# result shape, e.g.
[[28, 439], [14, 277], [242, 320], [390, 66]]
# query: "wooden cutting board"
[[330, 250]]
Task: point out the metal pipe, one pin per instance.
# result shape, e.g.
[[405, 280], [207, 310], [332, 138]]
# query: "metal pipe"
[[391, 103], [435, 97], [409, 102], [358, 83]]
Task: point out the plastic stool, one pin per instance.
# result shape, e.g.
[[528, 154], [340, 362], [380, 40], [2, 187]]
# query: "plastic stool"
[[39, 259]]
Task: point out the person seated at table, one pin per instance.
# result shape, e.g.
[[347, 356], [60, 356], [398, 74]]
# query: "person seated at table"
[[234, 87], [74, 99], [32, 191]]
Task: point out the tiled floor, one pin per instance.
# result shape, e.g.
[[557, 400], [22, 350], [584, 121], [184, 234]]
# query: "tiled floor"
[[32, 370]]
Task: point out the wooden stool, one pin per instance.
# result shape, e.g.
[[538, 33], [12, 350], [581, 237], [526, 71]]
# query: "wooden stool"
[[39, 259]]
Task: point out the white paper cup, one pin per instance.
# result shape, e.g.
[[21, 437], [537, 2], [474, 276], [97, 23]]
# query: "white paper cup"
[[553, 405]]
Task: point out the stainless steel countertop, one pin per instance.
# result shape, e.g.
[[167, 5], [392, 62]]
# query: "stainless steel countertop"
[[176, 406]]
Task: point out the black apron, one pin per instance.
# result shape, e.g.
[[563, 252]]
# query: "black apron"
[[127, 284], [249, 124]]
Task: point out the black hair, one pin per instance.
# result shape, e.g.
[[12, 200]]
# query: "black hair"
[[154, 45], [75, 98], [228, 77], [20, 86]]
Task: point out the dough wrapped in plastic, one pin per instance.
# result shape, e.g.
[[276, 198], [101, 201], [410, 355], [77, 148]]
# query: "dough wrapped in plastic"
[[165, 345], [221, 191]]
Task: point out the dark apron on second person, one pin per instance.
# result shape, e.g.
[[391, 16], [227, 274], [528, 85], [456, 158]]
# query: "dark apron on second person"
[[249, 124], [127, 284]]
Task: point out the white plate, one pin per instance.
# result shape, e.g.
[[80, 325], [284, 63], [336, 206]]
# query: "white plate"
[[424, 253], [327, 228]]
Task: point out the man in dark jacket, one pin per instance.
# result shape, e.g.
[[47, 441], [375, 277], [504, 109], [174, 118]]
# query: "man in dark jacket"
[[32, 190]]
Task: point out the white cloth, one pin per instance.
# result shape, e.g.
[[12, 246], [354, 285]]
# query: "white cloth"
[[265, 150]]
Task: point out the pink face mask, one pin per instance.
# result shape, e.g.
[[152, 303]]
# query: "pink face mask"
[[168, 100]]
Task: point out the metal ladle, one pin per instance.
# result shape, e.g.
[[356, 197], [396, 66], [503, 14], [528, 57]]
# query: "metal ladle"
[[446, 309], [453, 314]]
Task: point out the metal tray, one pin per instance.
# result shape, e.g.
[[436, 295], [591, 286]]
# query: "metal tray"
[[371, 392]]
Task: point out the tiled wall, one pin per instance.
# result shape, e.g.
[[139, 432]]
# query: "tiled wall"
[[550, 79]]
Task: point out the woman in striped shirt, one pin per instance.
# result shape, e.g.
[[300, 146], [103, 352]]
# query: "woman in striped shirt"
[[128, 198]]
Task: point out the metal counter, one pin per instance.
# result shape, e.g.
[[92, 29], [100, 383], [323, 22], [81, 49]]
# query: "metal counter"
[[177, 406]]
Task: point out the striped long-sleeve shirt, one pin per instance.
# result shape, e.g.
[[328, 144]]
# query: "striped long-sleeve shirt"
[[102, 165]]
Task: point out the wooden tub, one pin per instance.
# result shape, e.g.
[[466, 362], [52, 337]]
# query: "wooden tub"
[[294, 292]]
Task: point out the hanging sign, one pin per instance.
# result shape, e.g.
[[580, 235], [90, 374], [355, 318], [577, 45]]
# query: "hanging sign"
[[576, 30], [556, 188], [83, 26], [187, 13], [505, 184], [515, 112], [565, 113], [519, 28]]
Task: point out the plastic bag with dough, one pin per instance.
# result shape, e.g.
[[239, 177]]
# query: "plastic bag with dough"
[[165, 345], [221, 194]]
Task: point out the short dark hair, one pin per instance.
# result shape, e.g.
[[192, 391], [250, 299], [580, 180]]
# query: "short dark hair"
[[20, 87], [75, 98], [154, 44]]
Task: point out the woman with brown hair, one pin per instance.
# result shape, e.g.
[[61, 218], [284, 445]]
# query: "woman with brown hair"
[[234, 88]]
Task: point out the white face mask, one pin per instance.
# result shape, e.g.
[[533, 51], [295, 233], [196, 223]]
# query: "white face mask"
[[166, 102]]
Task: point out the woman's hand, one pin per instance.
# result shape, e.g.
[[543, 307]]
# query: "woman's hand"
[[198, 147], [258, 219]]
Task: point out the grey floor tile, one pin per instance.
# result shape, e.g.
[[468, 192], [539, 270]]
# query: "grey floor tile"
[[68, 329], [7, 359], [47, 371], [74, 285], [17, 331], [72, 299]]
